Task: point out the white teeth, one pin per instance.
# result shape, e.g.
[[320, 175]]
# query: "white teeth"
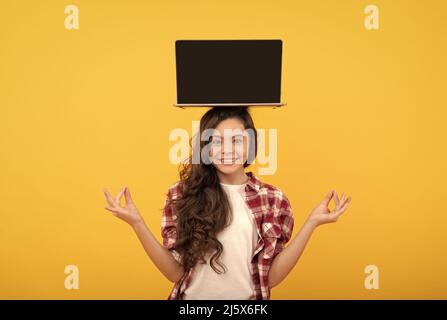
[[228, 160]]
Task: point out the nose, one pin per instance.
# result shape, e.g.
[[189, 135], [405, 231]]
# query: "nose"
[[227, 149]]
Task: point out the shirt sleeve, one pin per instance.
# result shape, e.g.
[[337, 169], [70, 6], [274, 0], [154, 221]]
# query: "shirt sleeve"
[[286, 221], [169, 224]]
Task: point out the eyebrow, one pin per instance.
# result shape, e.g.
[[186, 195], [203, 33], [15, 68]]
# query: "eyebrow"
[[236, 135]]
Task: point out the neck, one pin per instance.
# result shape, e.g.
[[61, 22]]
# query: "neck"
[[238, 177]]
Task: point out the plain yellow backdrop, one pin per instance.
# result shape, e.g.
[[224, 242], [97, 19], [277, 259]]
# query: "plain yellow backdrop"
[[92, 108]]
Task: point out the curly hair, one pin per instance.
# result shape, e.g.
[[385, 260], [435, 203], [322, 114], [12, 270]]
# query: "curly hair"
[[203, 208]]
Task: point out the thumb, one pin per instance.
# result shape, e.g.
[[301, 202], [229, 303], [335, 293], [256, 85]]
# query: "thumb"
[[328, 198]]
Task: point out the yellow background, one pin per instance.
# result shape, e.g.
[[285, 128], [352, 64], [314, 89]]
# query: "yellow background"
[[91, 108]]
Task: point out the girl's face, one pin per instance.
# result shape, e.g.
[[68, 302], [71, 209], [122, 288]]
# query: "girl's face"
[[229, 146]]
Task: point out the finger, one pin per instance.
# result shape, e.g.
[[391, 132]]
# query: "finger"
[[342, 203], [127, 195], [328, 198], [119, 210], [342, 200], [118, 197], [337, 202], [109, 198], [343, 208], [114, 212]]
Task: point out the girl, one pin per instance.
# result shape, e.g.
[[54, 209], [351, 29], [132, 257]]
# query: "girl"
[[223, 229]]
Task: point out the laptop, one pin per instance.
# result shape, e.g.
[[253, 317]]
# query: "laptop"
[[228, 73]]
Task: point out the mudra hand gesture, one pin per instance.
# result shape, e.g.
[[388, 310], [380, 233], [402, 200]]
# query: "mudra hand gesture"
[[321, 213], [129, 213]]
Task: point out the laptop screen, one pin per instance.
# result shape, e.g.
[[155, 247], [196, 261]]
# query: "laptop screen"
[[228, 71]]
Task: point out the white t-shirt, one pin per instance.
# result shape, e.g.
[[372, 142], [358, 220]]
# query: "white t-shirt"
[[239, 240]]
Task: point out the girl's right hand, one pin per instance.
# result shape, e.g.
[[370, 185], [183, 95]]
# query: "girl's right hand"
[[129, 213]]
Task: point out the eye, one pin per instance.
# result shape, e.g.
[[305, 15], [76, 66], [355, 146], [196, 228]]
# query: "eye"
[[215, 141], [239, 140]]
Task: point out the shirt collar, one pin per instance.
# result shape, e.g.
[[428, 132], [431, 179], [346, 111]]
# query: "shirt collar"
[[253, 181]]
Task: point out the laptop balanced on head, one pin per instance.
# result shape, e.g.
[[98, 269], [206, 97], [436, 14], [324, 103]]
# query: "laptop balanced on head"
[[228, 73]]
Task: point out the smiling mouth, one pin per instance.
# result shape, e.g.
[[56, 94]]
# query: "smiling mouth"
[[228, 160]]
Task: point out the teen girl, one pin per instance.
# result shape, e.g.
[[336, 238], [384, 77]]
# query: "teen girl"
[[224, 229]]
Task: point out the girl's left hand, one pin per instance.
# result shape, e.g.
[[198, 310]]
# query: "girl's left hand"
[[321, 214]]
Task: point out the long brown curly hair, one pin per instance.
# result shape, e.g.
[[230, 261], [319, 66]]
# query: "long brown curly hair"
[[203, 209]]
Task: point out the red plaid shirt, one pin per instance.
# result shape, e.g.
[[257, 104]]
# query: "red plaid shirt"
[[274, 222]]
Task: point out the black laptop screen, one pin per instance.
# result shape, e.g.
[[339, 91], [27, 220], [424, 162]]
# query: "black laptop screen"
[[228, 71]]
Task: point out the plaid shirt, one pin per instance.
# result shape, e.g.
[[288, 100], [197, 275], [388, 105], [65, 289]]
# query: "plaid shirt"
[[274, 222]]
